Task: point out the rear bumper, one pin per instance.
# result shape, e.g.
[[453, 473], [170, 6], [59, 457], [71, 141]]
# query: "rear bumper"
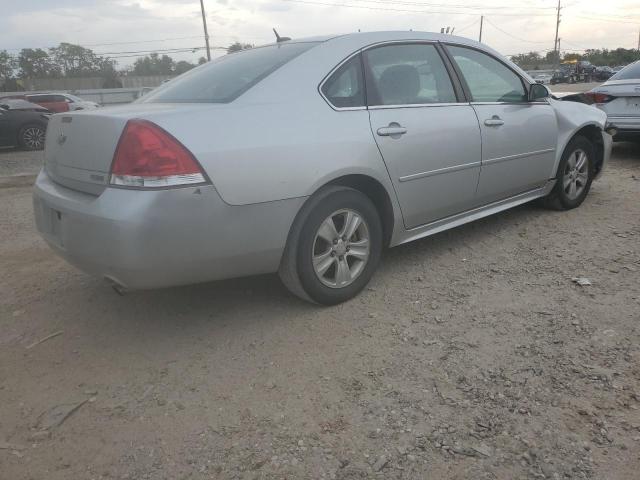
[[150, 239], [625, 123]]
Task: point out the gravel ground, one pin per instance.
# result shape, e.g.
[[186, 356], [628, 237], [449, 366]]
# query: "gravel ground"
[[472, 355], [20, 162]]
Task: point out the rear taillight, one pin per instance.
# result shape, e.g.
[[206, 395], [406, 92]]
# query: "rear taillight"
[[599, 97], [149, 157]]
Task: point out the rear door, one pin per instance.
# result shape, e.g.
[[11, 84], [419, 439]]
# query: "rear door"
[[519, 138], [428, 136]]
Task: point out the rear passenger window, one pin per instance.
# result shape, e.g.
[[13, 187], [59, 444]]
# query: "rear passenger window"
[[345, 87], [409, 74]]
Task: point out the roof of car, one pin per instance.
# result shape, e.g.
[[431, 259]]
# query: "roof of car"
[[17, 104]]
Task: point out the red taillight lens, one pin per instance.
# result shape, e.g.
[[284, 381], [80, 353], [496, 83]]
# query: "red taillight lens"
[[599, 97], [149, 157]]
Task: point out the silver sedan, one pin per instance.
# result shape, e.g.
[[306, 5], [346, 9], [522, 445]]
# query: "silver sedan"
[[619, 98], [308, 157]]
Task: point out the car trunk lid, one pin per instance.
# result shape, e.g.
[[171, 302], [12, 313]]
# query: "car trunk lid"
[[80, 146], [79, 149]]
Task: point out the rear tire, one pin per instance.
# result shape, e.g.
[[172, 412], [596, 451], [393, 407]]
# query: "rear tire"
[[31, 137], [574, 176], [334, 246]]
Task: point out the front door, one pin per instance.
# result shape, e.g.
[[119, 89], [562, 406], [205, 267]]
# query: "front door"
[[519, 138], [430, 141]]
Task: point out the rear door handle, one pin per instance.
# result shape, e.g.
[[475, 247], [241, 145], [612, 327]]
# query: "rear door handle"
[[494, 121], [393, 130]]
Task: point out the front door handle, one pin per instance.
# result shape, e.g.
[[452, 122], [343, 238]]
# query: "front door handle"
[[394, 130], [494, 121]]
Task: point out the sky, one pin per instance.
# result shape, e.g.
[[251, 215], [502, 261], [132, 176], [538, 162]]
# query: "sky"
[[125, 29]]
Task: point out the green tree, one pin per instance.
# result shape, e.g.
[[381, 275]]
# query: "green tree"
[[36, 63], [7, 65], [154, 64], [78, 61], [531, 59], [202, 60], [237, 46], [182, 66]]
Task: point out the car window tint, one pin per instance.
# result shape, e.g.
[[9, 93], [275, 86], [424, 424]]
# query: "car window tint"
[[407, 75], [488, 79], [226, 78], [628, 72], [345, 88], [58, 98]]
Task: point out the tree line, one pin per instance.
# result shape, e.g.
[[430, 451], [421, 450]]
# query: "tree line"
[[612, 58], [69, 60]]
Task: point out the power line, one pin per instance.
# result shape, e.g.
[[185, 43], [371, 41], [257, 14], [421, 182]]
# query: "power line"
[[468, 26], [510, 34]]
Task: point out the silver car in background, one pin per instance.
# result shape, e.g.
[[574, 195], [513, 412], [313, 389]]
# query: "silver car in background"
[[619, 98], [308, 158]]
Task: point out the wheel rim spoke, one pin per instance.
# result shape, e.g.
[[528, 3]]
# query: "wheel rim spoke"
[[566, 180], [572, 189], [361, 253], [328, 230], [323, 262], [343, 273], [351, 224], [582, 159]]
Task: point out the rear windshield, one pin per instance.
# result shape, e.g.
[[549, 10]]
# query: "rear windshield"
[[629, 72], [228, 77]]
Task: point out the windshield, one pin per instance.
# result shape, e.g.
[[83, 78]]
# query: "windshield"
[[74, 98], [629, 72], [226, 78]]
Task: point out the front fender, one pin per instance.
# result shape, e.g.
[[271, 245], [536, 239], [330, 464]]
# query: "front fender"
[[573, 117]]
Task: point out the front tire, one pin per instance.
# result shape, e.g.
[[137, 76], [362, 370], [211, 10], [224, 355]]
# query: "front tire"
[[31, 137], [334, 246], [574, 176]]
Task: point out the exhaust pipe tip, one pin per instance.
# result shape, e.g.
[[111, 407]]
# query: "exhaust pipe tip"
[[117, 286]]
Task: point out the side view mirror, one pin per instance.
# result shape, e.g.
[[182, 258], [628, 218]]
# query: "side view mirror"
[[538, 92]]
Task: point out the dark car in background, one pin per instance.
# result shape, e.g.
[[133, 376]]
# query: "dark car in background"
[[23, 124], [601, 74]]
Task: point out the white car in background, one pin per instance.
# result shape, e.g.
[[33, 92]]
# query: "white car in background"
[[544, 78], [619, 98]]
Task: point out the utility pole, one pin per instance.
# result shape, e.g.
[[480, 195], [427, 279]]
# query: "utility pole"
[[639, 40], [206, 33], [555, 43], [481, 22]]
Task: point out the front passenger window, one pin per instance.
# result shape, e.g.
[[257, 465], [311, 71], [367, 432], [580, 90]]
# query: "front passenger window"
[[488, 79]]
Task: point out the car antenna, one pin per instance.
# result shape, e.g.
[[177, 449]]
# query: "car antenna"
[[279, 38]]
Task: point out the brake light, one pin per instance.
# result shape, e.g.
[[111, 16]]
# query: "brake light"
[[149, 157], [599, 97]]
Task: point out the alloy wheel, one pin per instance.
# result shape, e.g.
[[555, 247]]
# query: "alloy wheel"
[[341, 248], [33, 138], [576, 174]]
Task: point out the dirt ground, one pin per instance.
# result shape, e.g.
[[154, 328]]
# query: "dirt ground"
[[472, 355]]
